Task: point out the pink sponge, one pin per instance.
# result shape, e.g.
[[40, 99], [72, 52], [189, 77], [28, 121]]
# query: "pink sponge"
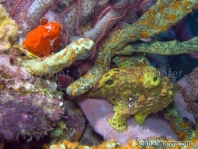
[[98, 111]]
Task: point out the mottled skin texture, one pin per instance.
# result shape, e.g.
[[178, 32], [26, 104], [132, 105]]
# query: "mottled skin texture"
[[136, 90], [159, 18], [128, 61]]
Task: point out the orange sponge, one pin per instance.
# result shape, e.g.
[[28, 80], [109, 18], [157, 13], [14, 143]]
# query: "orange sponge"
[[44, 39]]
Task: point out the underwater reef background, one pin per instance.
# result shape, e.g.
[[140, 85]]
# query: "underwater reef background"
[[98, 74]]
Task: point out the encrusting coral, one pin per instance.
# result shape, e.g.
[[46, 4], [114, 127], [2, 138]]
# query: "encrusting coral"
[[137, 91], [29, 106], [8, 31]]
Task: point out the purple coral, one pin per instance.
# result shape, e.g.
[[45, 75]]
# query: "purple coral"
[[29, 106]]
